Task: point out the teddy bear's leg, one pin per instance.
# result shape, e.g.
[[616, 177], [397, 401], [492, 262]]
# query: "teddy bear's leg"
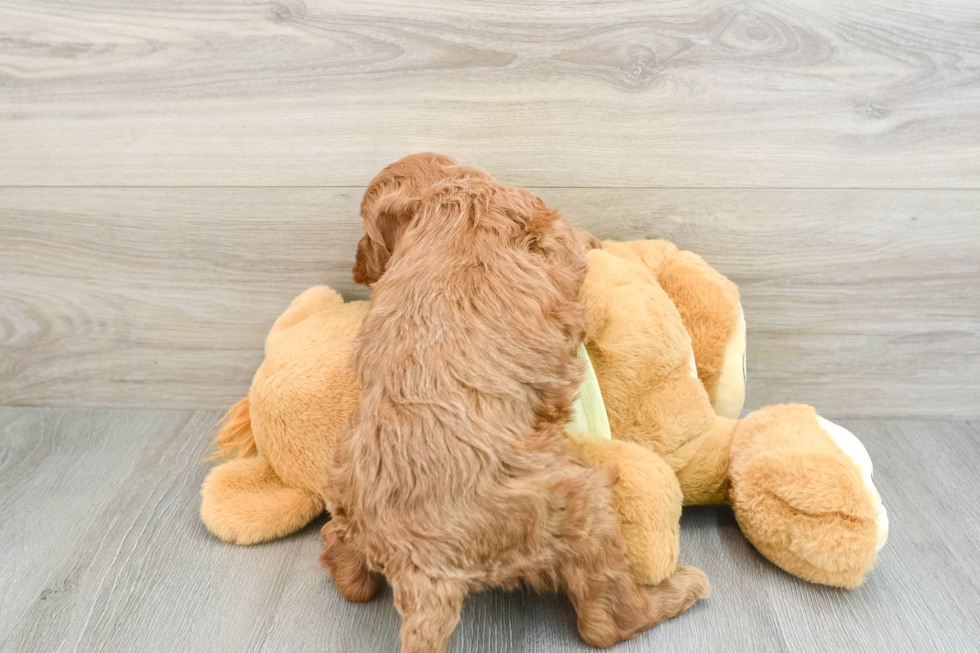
[[802, 492], [245, 502], [648, 503], [709, 306], [702, 465]]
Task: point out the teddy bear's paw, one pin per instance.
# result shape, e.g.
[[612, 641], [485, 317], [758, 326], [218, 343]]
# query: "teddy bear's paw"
[[808, 514], [854, 449], [802, 492], [244, 502]]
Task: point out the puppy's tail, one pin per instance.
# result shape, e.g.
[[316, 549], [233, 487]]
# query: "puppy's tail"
[[235, 439]]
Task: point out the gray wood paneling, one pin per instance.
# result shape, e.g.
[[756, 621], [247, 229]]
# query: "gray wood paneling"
[[863, 303], [848, 93], [101, 549]]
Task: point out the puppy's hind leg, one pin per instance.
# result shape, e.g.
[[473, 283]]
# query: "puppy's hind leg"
[[616, 609], [429, 608], [595, 572], [348, 567]]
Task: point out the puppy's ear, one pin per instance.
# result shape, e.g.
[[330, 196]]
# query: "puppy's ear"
[[388, 216], [390, 203], [369, 262]]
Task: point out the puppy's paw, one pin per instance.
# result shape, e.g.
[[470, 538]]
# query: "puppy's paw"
[[695, 580], [675, 595], [348, 567]]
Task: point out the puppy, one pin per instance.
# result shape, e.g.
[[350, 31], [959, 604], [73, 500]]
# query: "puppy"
[[456, 474]]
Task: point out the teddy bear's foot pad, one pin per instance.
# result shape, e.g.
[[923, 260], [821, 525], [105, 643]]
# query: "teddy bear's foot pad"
[[243, 501]]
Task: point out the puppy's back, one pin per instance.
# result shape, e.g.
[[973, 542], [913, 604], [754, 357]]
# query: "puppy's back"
[[467, 356]]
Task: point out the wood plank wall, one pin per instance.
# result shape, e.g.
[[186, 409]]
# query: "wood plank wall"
[[172, 172]]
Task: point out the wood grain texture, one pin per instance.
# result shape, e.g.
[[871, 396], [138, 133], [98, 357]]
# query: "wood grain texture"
[[101, 549], [787, 93], [862, 303]]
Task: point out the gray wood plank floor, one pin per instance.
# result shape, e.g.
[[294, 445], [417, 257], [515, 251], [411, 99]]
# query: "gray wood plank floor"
[[101, 549]]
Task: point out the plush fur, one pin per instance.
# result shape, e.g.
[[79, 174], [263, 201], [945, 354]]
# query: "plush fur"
[[667, 420], [792, 484], [289, 422], [456, 473], [799, 498], [709, 309]]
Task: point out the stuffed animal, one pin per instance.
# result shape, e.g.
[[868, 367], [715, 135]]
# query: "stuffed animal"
[[666, 340]]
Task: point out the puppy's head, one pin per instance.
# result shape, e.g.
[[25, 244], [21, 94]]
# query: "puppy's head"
[[543, 229], [390, 201]]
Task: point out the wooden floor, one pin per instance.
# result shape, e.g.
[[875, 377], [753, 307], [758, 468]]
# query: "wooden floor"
[[101, 549]]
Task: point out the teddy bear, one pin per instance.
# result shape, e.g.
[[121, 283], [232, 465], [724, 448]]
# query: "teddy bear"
[[665, 346]]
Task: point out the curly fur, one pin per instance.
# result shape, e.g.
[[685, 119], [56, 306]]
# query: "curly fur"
[[456, 473]]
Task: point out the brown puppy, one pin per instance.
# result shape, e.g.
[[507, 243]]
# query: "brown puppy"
[[456, 473]]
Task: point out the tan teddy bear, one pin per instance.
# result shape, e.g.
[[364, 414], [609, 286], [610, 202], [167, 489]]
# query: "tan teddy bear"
[[666, 340]]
